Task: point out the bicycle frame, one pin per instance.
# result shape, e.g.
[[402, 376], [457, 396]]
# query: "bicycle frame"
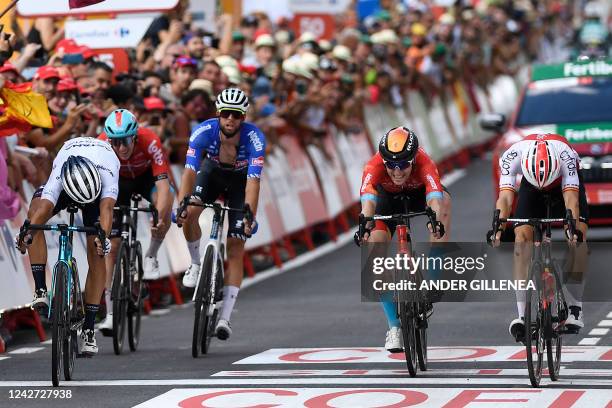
[[214, 241], [64, 256]]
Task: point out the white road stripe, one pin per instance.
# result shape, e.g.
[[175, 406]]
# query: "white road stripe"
[[431, 372], [605, 323], [592, 383], [159, 312], [4, 358], [50, 341], [26, 350], [589, 341], [598, 332], [609, 316]]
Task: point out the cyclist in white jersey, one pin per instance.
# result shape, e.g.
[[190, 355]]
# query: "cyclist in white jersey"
[[86, 173], [549, 166]]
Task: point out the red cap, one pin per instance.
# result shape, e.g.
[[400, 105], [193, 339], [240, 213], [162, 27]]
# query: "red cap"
[[86, 51], [154, 103], [66, 84], [67, 45], [8, 67], [46, 72], [260, 31], [185, 61]]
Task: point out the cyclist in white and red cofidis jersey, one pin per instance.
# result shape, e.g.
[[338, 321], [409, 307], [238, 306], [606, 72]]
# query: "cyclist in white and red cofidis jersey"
[[400, 168], [549, 166], [144, 170]]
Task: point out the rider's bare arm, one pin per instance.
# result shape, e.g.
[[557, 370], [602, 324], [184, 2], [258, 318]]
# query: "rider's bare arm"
[[251, 193]]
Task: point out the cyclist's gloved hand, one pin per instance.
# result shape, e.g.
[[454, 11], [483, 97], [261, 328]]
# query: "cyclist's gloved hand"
[[494, 237], [21, 245], [251, 229], [105, 249], [359, 239], [439, 229]]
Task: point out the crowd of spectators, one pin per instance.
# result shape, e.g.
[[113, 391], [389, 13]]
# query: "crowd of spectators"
[[294, 81]]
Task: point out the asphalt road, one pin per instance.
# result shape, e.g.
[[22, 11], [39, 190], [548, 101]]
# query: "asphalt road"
[[304, 338]]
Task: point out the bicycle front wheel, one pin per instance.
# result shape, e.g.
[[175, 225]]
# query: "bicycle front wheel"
[[71, 318], [202, 302], [120, 297], [534, 328], [408, 322], [554, 344], [59, 324], [421, 336], [211, 321], [136, 302]]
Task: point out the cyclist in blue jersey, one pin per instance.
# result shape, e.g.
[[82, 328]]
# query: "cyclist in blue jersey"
[[225, 156]]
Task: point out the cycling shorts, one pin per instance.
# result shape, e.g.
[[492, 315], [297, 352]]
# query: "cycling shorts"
[[90, 211]]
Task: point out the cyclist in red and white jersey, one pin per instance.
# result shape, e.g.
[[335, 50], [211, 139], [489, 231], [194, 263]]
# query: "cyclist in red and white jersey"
[[400, 167], [144, 170], [549, 166]]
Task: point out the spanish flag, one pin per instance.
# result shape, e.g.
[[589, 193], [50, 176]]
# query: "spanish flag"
[[21, 109], [82, 3]]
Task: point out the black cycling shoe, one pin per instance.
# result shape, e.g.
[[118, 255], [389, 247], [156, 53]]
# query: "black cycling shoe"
[[517, 330]]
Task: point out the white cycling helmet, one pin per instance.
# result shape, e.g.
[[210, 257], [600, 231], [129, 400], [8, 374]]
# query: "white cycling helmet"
[[232, 99], [540, 164], [81, 180]]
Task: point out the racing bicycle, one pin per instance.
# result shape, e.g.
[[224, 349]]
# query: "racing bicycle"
[[66, 307], [210, 279], [546, 309], [413, 310], [128, 287]]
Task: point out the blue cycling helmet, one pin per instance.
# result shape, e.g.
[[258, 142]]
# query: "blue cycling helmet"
[[120, 123]]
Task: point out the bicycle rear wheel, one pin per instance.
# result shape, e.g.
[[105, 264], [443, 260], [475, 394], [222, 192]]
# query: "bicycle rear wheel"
[[134, 314], [421, 336], [71, 318], [202, 301], [408, 322], [120, 296], [534, 328], [58, 325]]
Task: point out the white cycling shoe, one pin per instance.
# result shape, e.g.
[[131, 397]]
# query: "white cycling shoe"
[[40, 303], [87, 343], [575, 320], [150, 268], [517, 329], [190, 279], [106, 326], [223, 330], [393, 340]]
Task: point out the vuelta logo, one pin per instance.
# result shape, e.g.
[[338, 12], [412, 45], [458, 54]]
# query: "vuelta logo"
[[156, 152], [258, 161]]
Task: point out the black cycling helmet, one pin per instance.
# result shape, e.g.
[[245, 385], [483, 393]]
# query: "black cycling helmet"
[[398, 144]]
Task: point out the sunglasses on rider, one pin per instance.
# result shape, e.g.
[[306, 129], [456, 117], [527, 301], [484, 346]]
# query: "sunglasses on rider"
[[234, 114], [124, 141], [398, 164]]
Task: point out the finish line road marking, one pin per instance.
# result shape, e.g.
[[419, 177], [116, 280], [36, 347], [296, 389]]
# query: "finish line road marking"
[[376, 397], [442, 372], [365, 355], [369, 381]]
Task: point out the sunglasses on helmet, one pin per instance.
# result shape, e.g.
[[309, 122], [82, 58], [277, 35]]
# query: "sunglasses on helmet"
[[404, 164], [124, 141], [234, 114]]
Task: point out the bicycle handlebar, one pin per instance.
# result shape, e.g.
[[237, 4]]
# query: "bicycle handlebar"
[[150, 209], [62, 228], [248, 214], [569, 221], [431, 214]]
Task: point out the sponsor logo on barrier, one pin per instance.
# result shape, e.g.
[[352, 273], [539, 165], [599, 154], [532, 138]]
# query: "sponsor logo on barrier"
[[257, 161], [156, 152]]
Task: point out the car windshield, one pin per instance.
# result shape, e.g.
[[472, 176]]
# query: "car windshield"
[[585, 100]]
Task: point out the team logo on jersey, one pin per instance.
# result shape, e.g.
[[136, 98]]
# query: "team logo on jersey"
[[191, 152], [199, 131], [506, 161], [255, 140], [257, 161], [156, 152], [432, 182], [366, 181]]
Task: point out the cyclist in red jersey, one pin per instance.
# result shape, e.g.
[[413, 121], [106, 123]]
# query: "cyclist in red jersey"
[[400, 167], [144, 170]]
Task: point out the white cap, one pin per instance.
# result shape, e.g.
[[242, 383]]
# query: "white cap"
[[233, 75], [310, 61], [265, 40], [342, 52], [295, 66], [307, 37], [203, 84], [226, 61]]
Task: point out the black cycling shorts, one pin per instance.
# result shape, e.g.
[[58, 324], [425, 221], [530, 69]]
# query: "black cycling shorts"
[[390, 203], [530, 202], [212, 181], [90, 211], [143, 185]]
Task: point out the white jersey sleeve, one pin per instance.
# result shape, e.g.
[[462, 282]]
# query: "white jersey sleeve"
[[569, 167], [510, 167], [102, 156]]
